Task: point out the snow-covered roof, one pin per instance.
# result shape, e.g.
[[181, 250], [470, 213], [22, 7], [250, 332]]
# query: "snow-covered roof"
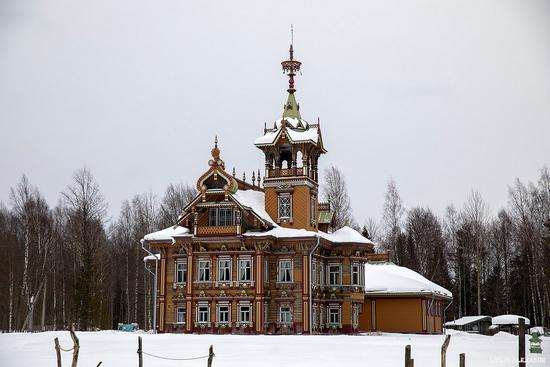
[[296, 135], [388, 278], [255, 201], [151, 257], [345, 235], [294, 122], [465, 320], [167, 234], [509, 320], [342, 236]]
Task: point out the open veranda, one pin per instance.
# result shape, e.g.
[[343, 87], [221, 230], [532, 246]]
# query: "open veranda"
[[119, 349]]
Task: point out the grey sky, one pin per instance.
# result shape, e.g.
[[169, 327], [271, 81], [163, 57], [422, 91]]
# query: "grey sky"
[[443, 96]]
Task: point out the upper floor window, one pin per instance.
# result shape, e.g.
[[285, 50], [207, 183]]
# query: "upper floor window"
[[285, 205], [334, 274], [245, 270], [285, 271], [357, 274], [181, 271], [221, 217], [224, 270], [314, 272], [322, 274], [204, 270], [312, 209]]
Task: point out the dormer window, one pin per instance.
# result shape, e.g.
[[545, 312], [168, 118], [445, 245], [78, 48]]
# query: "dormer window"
[[219, 217]]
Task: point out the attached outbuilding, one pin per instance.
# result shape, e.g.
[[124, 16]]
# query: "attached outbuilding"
[[400, 300]]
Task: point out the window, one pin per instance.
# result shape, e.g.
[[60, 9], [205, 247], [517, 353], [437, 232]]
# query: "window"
[[180, 315], [244, 313], [221, 217], [334, 275], [322, 274], [223, 314], [285, 206], [204, 270], [285, 317], [181, 271], [245, 270], [334, 315], [285, 271], [224, 270], [266, 312], [203, 313], [356, 278], [321, 315]]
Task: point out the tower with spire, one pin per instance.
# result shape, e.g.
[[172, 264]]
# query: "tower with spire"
[[291, 148]]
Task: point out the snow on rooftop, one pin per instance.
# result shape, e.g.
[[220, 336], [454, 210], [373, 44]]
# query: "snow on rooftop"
[[465, 320], [309, 134], [345, 235], [167, 234], [151, 257], [388, 278], [254, 200], [282, 232], [509, 320]]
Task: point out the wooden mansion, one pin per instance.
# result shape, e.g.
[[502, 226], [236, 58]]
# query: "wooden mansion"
[[259, 257]]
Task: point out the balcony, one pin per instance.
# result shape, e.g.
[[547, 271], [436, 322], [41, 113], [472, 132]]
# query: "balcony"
[[216, 230], [286, 172]]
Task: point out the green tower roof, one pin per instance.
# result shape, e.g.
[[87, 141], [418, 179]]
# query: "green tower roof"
[[292, 108]]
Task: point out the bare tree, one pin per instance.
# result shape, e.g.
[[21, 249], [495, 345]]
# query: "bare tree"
[[336, 192], [86, 209], [476, 213], [35, 229], [175, 199], [391, 219]]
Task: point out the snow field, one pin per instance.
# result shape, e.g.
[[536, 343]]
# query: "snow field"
[[115, 348]]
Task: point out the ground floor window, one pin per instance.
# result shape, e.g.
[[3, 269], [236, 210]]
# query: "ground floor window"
[[203, 313], [334, 315], [245, 313], [224, 313], [285, 315], [180, 315]]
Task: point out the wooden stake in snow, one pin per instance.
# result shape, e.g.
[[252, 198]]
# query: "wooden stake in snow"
[[408, 356], [140, 352], [462, 360], [76, 346], [521, 340], [210, 356], [444, 351], [57, 352]]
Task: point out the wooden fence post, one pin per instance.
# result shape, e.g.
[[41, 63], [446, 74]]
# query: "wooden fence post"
[[462, 360], [521, 339], [210, 356], [444, 351], [407, 355], [76, 346], [57, 352], [140, 353]]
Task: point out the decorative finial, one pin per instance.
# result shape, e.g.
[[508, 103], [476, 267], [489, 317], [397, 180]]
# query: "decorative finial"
[[253, 179], [234, 172], [259, 177], [244, 176], [291, 66], [216, 151]]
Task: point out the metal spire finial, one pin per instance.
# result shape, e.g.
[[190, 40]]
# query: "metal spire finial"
[[291, 66]]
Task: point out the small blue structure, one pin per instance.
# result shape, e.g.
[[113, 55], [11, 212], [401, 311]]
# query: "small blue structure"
[[128, 327]]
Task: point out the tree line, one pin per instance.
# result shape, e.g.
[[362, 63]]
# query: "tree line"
[[493, 263], [71, 264]]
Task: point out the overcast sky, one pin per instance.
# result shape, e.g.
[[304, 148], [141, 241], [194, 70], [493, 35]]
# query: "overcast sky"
[[443, 96]]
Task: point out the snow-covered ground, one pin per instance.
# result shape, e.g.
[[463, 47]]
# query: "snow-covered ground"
[[119, 349]]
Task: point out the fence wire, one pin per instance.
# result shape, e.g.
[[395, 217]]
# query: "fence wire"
[[174, 359]]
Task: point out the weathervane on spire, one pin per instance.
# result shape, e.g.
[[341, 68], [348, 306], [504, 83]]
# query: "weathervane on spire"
[[290, 67]]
